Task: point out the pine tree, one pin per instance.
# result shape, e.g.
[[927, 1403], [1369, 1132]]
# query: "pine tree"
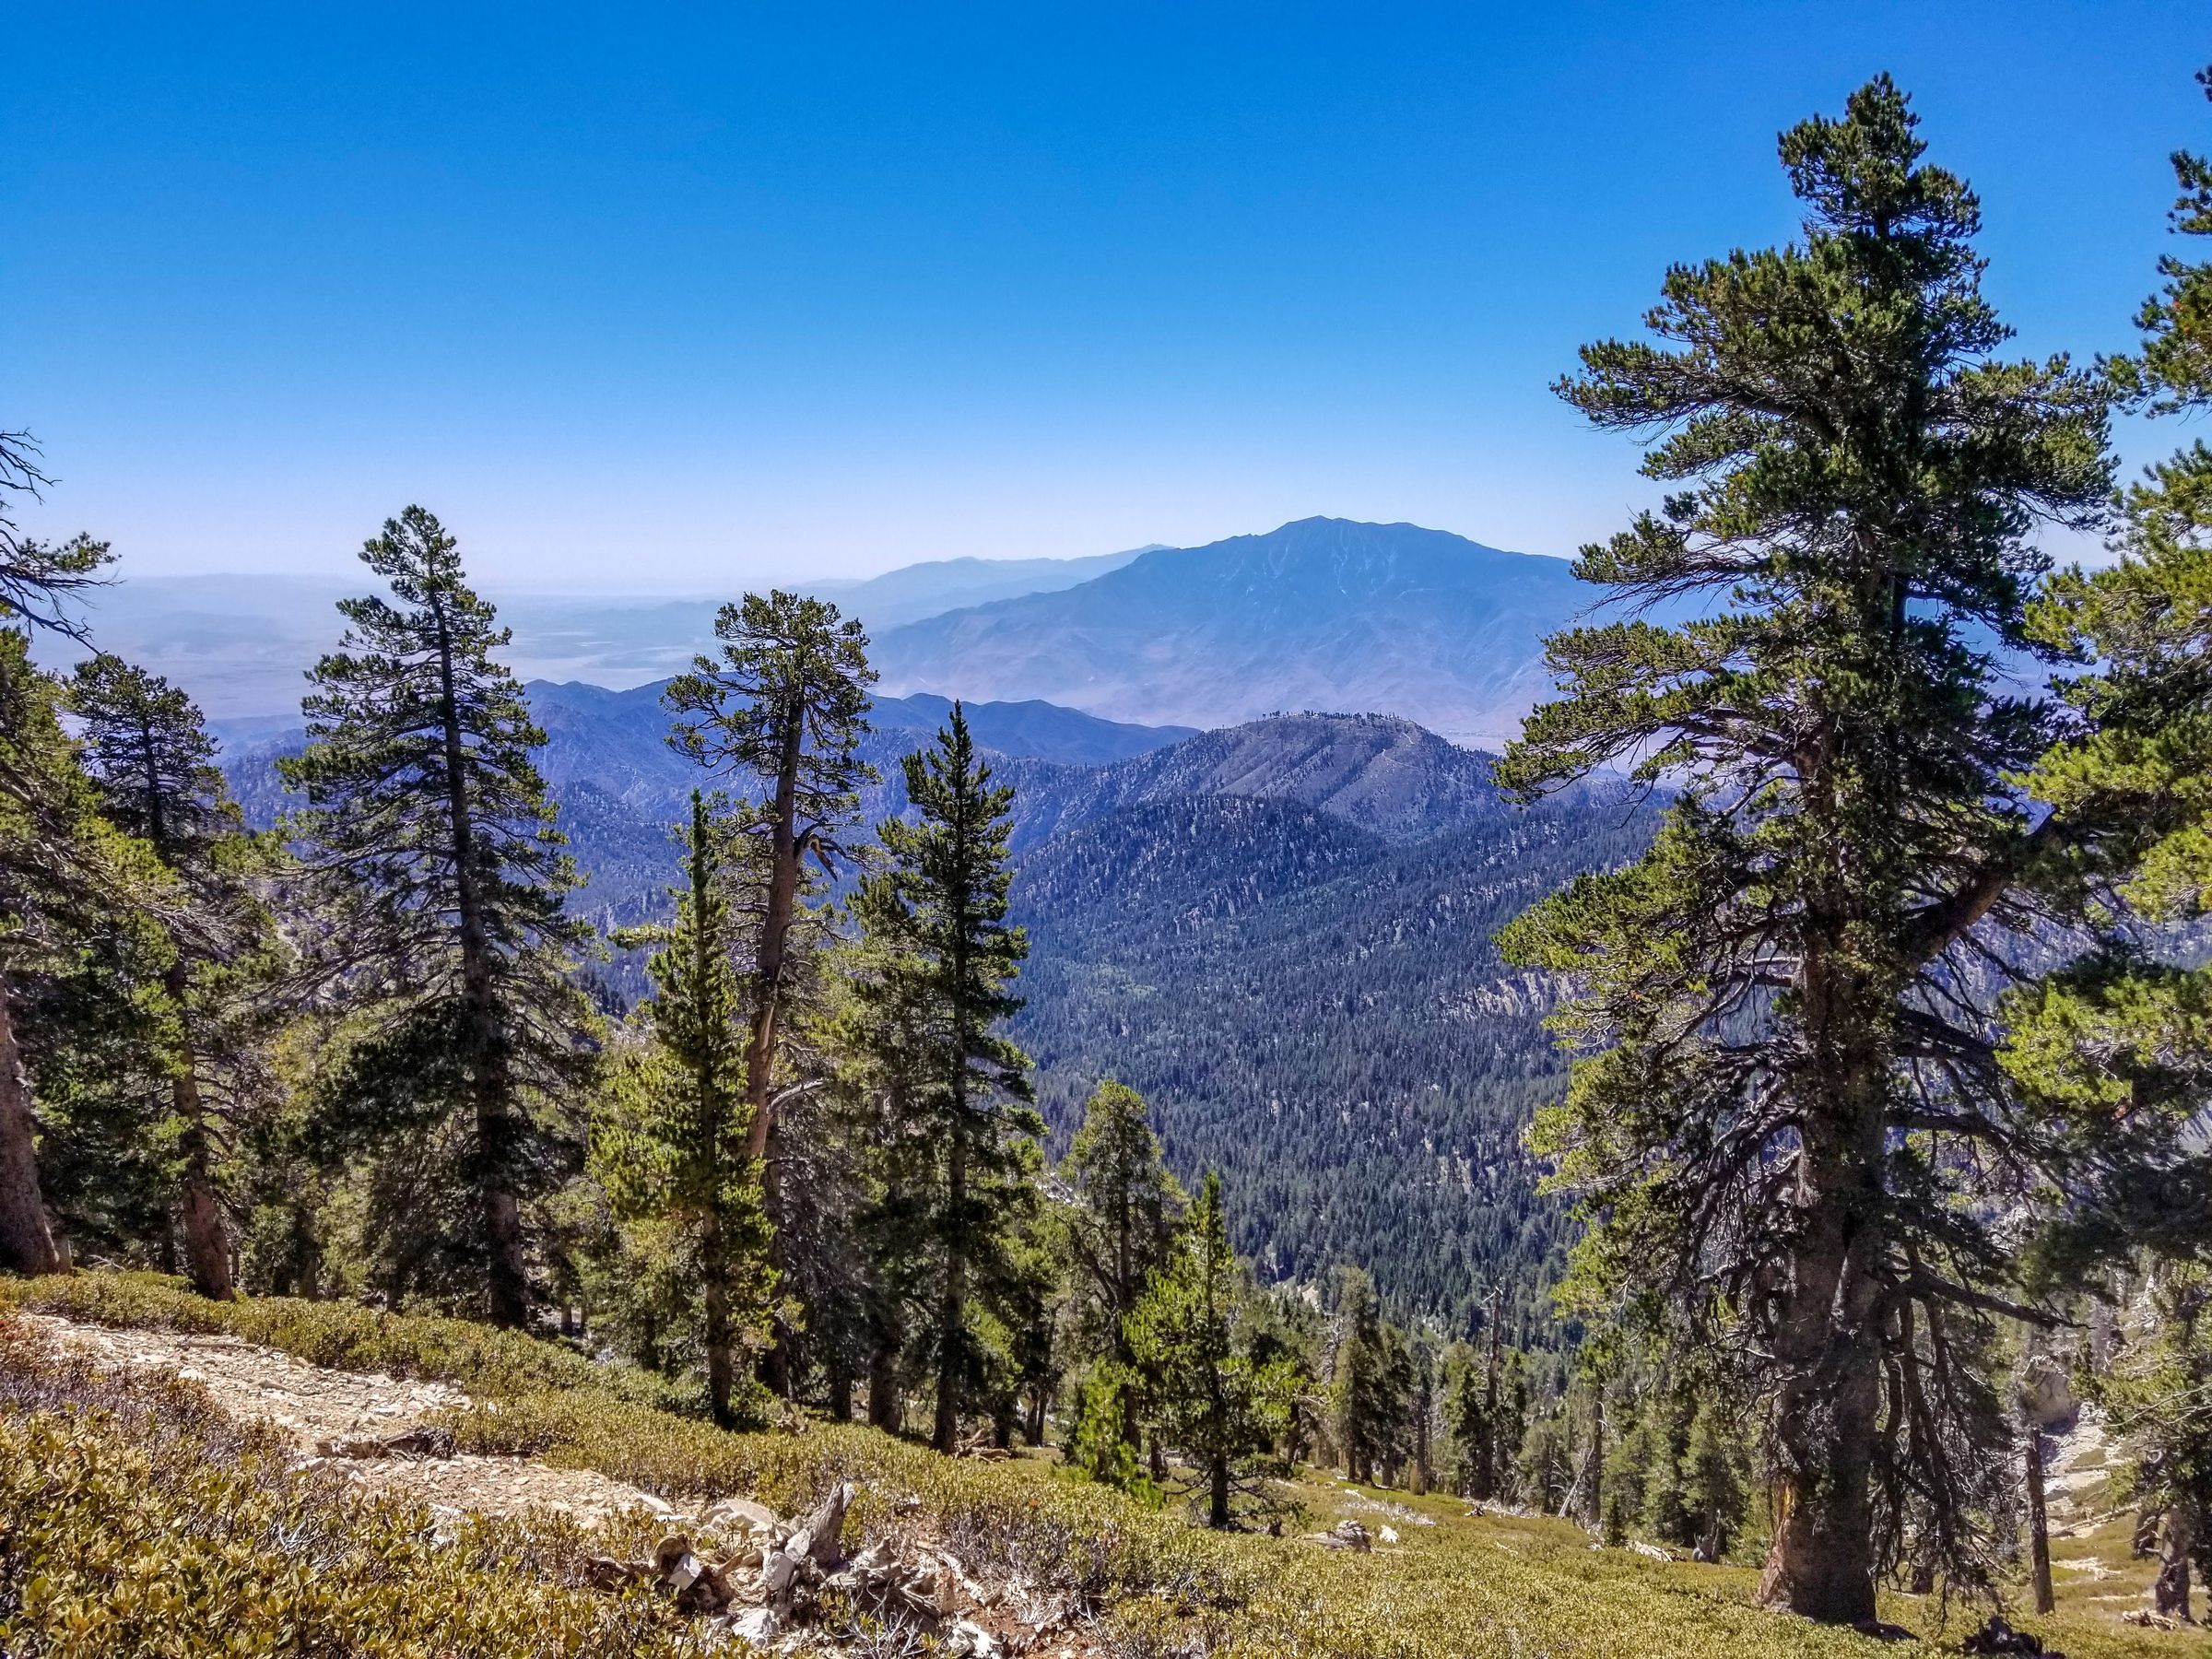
[[2121, 1030], [1371, 1378], [40, 579], [1118, 1233], [429, 828], [2155, 1394], [1468, 1407], [147, 747], [1028, 1301], [1543, 1462], [873, 1030], [1221, 1409], [783, 713], [61, 863], [1785, 1100], [675, 1149], [953, 1089], [2115, 1046], [783, 709], [1714, 1486]]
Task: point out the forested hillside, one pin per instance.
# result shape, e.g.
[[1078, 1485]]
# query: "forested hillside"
[[1321, 1015], [1278, 933]]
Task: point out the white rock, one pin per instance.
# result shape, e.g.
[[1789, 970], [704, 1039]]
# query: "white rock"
[[734, 1511], [777, 1571], [757, 1626], [970, 1637], [1389, 1535]]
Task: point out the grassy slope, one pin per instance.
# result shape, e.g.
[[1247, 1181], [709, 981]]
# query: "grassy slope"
[[1464, 1586]]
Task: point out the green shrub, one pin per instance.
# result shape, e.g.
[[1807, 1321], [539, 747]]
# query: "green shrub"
[[347, 1337], [1498, 1587], [137, 1523]]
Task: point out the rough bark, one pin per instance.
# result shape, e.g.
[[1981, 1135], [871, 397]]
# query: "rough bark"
[[206, 1234], [1821, 1564], [2039, 1524], [885, 1408], [2177, 1538], [721, 1361], [506, 1264], [784, 853], [1032, 1429], [1216, 1503], [952, 1303], [27, 1242]]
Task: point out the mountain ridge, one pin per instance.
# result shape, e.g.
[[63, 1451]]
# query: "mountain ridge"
[[1319, 613]]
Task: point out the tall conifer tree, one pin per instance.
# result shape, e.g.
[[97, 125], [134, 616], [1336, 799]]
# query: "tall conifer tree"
[[2125, 1027], [783, 709], [781, 712], [147, 747], [675, 1145], [944, 957], [1119, 1229], [1223, 1406], [2119, 1042], [429, 827], [1785, 1099], [58, 858]]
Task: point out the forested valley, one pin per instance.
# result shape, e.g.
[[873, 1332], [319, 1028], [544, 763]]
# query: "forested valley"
[[1749, 1118]]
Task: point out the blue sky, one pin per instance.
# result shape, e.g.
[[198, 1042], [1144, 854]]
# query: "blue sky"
[[664, 298]]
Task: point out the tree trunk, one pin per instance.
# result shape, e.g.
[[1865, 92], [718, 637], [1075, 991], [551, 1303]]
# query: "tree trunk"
[[1485, 1464], [952, 1306], [779, 1367], [2039, 1527], [784, 853], [720, 1362], [1217, 1506], [506, 1265], [26, 1244], [1033, 1430], [1821, 1564], [1421, 1475], [884, 1408], [2177, 1538], [207, 1237]]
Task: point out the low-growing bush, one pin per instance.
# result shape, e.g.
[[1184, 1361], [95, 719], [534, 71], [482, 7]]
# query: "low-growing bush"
[[1489, 1589], [137, 1523], [347, 1337]]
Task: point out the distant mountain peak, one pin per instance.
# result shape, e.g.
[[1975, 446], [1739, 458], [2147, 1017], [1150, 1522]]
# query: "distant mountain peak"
[[1319, 613]]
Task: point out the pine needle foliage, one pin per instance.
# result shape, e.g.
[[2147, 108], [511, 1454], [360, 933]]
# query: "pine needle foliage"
[[1786, 1125], [149, 750], [1222, 1408], [674, 1144], [429, 832], [2123, 1038], [929, 1004], [81, 904], [1116, 1234]]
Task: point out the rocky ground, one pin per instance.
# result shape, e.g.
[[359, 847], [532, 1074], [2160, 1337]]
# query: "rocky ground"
[[750, 1576]]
